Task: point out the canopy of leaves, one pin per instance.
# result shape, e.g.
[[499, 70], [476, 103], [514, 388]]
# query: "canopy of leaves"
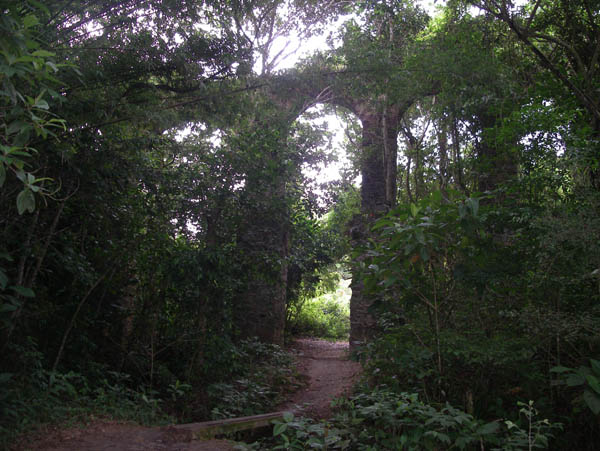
[[153, 201]]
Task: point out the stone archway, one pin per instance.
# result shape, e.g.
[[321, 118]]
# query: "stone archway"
[[293, 94], [380, 121]]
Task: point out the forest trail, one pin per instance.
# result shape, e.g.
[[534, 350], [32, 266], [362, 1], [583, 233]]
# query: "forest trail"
[[331, 374], [326, 365]]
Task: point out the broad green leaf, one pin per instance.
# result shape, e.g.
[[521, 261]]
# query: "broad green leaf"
[[420, 236], [43, 53], [40, 6], [23, 291], [25, 59], [22, 138], [488, 428], [7, 308], [52, 92], [474, 204], [52, 66], [25, 201], [595, 366], [315, 442], [30, 21], [575, 379], [462, 442], [288, 416], [593, 383], [279, 428], [31, 44], [7, 71], [42, 104], [414, 210], [592, 400], [19, 152], [316, 428], [15, 126], [382, 223], [444, 438]]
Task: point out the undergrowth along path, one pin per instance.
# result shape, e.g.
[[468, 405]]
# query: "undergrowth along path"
[[325, 364]]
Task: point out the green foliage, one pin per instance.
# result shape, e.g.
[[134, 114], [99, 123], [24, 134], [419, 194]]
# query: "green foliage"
[[10, 296], [585, 377], [243, 397], [264, 374], [299, 433], [259, 374], [339, 219], [534, 433], [28, 97], [32, 396], [525, 277], [324, 312], [138, 262], [142, 249], [382, 419]]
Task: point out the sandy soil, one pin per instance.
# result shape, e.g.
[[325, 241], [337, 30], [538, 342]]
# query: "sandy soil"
[[330, 374]]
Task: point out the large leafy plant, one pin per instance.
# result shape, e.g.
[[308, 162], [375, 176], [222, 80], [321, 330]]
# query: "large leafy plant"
[[435, 268], [586, 379], [29, 88], [382, 419], [412, 264]]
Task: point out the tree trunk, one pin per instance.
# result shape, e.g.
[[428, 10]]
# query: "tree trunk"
[[379, 154], [443, 174], [495, 163], [373, 189], [261, 312], [264, 240]]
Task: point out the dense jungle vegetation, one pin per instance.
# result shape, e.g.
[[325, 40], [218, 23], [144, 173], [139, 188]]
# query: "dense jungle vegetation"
[[156, 215]]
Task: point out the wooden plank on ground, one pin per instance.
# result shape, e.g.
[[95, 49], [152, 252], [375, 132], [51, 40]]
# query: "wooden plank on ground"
[[210, 429]]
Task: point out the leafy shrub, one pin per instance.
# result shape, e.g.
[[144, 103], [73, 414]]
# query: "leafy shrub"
[[485, 375], [585, 377], [382, 419], [265, 373], [324, 316], [35, 395], [242, 397], [32, 395]]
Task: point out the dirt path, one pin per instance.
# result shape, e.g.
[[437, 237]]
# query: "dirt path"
[[330, 374], [115, 436]]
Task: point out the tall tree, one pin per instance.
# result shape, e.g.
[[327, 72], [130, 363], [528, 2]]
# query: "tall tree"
[[563, 39]]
